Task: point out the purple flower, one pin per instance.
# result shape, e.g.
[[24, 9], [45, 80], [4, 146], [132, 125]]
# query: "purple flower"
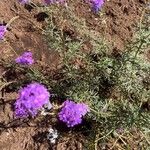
[[72, 113], [31, 98], [3, 30], [25, 59], [97, 4], [24, 1], [49, 2]]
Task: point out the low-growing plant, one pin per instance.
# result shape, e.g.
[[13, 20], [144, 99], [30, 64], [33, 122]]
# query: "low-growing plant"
[[114, 84]]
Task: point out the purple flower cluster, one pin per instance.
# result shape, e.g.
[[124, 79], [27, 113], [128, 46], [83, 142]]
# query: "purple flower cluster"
[[31, 98], [48, 1], [72, 113], [97, 4], [25, 59], [3, 30], [24, 1]]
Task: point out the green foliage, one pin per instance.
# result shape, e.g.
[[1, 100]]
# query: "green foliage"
[[115, 85]]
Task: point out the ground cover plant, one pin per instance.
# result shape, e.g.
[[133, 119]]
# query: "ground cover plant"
[[98, 94]]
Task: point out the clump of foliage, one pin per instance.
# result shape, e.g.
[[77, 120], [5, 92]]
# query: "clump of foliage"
[[116, 85]]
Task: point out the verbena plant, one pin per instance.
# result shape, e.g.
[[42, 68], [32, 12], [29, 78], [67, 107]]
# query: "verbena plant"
[[115, 85]]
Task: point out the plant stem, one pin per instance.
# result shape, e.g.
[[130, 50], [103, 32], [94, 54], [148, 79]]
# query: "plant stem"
[[12, 20]]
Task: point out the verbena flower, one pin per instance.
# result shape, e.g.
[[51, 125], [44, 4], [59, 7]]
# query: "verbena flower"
[[25, 59], [24, 1], [31, 98], [97, 4], [3, 30], [49, 2], [72, 113]]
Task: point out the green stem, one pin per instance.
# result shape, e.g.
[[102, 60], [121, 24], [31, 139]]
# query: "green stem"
[[140, 46], [104, 136]]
